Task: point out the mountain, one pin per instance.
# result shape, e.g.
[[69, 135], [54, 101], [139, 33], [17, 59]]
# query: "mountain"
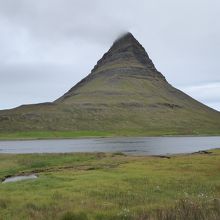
[[123, 93]]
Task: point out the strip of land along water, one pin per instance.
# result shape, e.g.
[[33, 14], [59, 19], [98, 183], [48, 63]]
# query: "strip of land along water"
[[135, 146]]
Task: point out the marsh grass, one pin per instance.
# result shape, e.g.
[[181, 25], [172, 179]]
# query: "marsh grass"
[[111, 186], [190, 210], [183, 210], [73, 216], [3, 203]]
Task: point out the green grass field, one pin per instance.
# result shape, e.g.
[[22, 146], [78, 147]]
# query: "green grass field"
[[111, 186], [95, 134], [52, 134]]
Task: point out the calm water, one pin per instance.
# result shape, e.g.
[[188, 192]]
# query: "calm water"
[[137, 146], [19, 178]]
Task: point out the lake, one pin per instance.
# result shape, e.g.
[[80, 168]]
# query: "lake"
[[137, 146]]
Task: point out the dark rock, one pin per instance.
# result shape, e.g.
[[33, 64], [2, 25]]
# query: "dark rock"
[[203, 152]]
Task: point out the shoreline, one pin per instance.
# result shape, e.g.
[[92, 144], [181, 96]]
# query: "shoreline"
[[162, 156], [103, 137]]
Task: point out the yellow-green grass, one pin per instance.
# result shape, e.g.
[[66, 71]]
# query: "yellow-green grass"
[[111, 186], [53, 134], [19, 135]]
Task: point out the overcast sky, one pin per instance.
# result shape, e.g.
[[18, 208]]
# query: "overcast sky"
[[47, 46]]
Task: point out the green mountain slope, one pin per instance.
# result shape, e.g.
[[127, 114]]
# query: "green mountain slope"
[[124, 93]]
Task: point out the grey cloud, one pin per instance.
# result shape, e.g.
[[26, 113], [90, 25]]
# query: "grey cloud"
[[206, 93]]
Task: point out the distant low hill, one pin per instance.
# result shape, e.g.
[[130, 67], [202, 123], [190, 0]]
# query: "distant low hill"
[[123, 94]]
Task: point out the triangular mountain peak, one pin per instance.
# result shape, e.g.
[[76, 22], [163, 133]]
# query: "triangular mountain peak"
[[126, 52], [126, 64], [123, 93], [127, 39]]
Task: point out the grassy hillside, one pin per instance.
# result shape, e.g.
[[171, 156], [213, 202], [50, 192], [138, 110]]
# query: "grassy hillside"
[[111, 187], [138, 106]]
